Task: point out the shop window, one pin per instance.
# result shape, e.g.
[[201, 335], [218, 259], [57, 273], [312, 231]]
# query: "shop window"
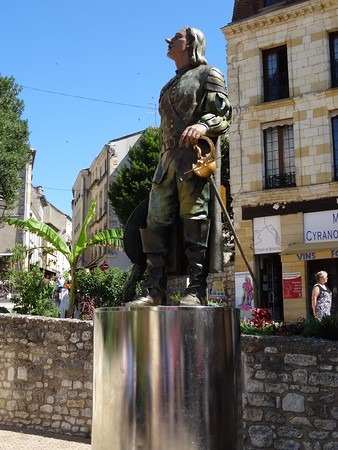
[[334, 58], [279, 153], [275, 74], [335, 145]]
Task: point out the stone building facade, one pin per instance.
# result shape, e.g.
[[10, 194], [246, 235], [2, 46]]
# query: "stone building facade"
[[33, 204], [92, 184], [282, 60]]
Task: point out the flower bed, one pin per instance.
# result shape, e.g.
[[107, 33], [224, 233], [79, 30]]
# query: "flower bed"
[[262, 324]]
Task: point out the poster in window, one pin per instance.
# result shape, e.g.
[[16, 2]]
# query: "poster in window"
[[244, 291], [292, 285]]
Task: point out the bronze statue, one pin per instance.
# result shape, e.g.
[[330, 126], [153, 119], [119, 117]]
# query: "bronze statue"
[[193, 104]]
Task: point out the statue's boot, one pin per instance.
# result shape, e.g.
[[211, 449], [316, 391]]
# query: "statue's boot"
[[155, 245], [196, 235]]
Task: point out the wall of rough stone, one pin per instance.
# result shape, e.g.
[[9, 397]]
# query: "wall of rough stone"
[[290, 385], [290, 393], [46, 373]]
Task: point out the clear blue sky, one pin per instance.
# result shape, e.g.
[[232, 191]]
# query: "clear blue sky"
[[111, 51]]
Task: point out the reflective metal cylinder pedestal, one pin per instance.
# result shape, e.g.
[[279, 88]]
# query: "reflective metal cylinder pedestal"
[[167, 378]]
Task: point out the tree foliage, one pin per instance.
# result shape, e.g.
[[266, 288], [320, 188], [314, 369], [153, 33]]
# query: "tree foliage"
[[14, 136], [133, 181]]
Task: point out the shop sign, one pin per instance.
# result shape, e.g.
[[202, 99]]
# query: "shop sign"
[[321, 226], [311, 255], [267, 234], [292, 285]]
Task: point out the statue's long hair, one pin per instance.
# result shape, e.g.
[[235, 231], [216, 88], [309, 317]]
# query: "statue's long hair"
[[196, 41]]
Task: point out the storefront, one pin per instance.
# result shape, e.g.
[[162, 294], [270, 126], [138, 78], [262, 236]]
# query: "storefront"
[[310, 258], [288, 252], [318, 251]]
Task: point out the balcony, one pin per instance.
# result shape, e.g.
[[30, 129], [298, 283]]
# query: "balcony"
[[280, 181]]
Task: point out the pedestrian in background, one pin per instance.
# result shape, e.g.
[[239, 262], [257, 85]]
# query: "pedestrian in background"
[[321, 296]]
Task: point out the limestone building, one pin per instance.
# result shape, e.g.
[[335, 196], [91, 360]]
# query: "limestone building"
[[282, 58], [92, 184], [32, 203]]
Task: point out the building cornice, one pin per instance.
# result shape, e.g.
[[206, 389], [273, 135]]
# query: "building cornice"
[[268, 17]]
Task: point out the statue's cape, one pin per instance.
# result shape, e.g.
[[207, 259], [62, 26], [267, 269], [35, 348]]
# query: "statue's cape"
[[132, 238]]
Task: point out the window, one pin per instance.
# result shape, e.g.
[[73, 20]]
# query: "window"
[[279, 157], [334, 58], [265, 3], [275, 74], [335, 145], [272, 2]]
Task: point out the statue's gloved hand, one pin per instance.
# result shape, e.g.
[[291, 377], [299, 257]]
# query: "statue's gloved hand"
[[192, 134]]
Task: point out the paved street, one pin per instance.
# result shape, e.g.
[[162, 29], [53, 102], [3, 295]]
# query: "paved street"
[[16, 439], [5, 302]]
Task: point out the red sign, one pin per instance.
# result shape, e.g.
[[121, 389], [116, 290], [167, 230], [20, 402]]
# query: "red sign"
[[105, 266], [292, 285]]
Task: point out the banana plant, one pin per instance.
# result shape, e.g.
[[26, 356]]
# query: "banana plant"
[[107, 238]]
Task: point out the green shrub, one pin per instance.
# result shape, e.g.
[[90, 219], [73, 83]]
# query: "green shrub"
[[33, 295], [105, 287], [310, 327], [329, 327], [326, 328]]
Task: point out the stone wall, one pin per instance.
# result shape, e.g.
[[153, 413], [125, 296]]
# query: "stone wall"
[[290, 385], [290, 393], [46, 373]]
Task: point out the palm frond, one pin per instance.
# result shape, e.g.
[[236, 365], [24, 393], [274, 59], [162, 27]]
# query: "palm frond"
[[109, 238], [41, 229]]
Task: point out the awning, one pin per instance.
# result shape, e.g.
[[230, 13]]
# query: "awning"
[[307, 247]]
